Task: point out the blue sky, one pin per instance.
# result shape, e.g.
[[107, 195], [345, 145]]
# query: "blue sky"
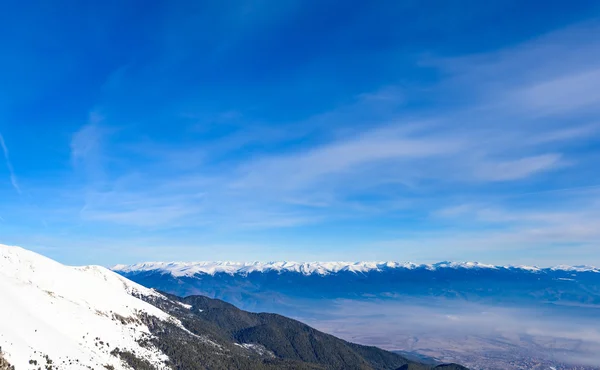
[[301, 130]]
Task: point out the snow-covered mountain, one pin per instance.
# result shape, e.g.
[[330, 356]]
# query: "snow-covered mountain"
[[179, 269], [70, 315], [59, 317]]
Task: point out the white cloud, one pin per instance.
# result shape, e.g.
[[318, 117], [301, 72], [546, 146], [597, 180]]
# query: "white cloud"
[[144, 215], [343, 157], [85, 143], [542, 226], [517, 169], [572, 92], [550, 57], [585, 131]]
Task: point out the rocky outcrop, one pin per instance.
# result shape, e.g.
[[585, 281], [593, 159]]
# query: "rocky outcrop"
[[4, 364]]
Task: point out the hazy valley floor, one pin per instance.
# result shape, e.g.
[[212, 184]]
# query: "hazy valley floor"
[[478, 336]]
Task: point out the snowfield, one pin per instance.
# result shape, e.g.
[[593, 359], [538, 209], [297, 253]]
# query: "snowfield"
[[72, 317]]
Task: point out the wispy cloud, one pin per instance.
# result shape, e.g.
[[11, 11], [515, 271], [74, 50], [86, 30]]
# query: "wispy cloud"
[[585, 131], [573, 91], [13, 176], [517, 169], [344, 157], [399, 153], [371, 147], [85, 144], [145, 215], [540, 225]]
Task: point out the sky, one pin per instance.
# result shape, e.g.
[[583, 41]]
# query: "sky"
[[263, 130]]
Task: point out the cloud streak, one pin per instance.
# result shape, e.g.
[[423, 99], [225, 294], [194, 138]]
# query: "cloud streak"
[[86, 144], [343, 157], [519, 168], [13, 176]]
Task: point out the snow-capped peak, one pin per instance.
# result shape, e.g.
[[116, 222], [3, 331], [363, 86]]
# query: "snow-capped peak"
[[72, 315], [211, 268], [179, 269], [577, 268]]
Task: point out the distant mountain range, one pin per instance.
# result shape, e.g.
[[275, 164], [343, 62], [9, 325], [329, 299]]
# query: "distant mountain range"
[[58, 317], [321, 268], [252, 284]]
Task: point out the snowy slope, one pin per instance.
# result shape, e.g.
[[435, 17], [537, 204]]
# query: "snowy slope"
[[70, 314], [179, 269]]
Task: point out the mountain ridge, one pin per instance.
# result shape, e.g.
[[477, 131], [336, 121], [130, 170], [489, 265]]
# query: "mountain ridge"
[[180, 269]]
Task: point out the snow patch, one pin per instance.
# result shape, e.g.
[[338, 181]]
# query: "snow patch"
[[257, 348], [186, 306]]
